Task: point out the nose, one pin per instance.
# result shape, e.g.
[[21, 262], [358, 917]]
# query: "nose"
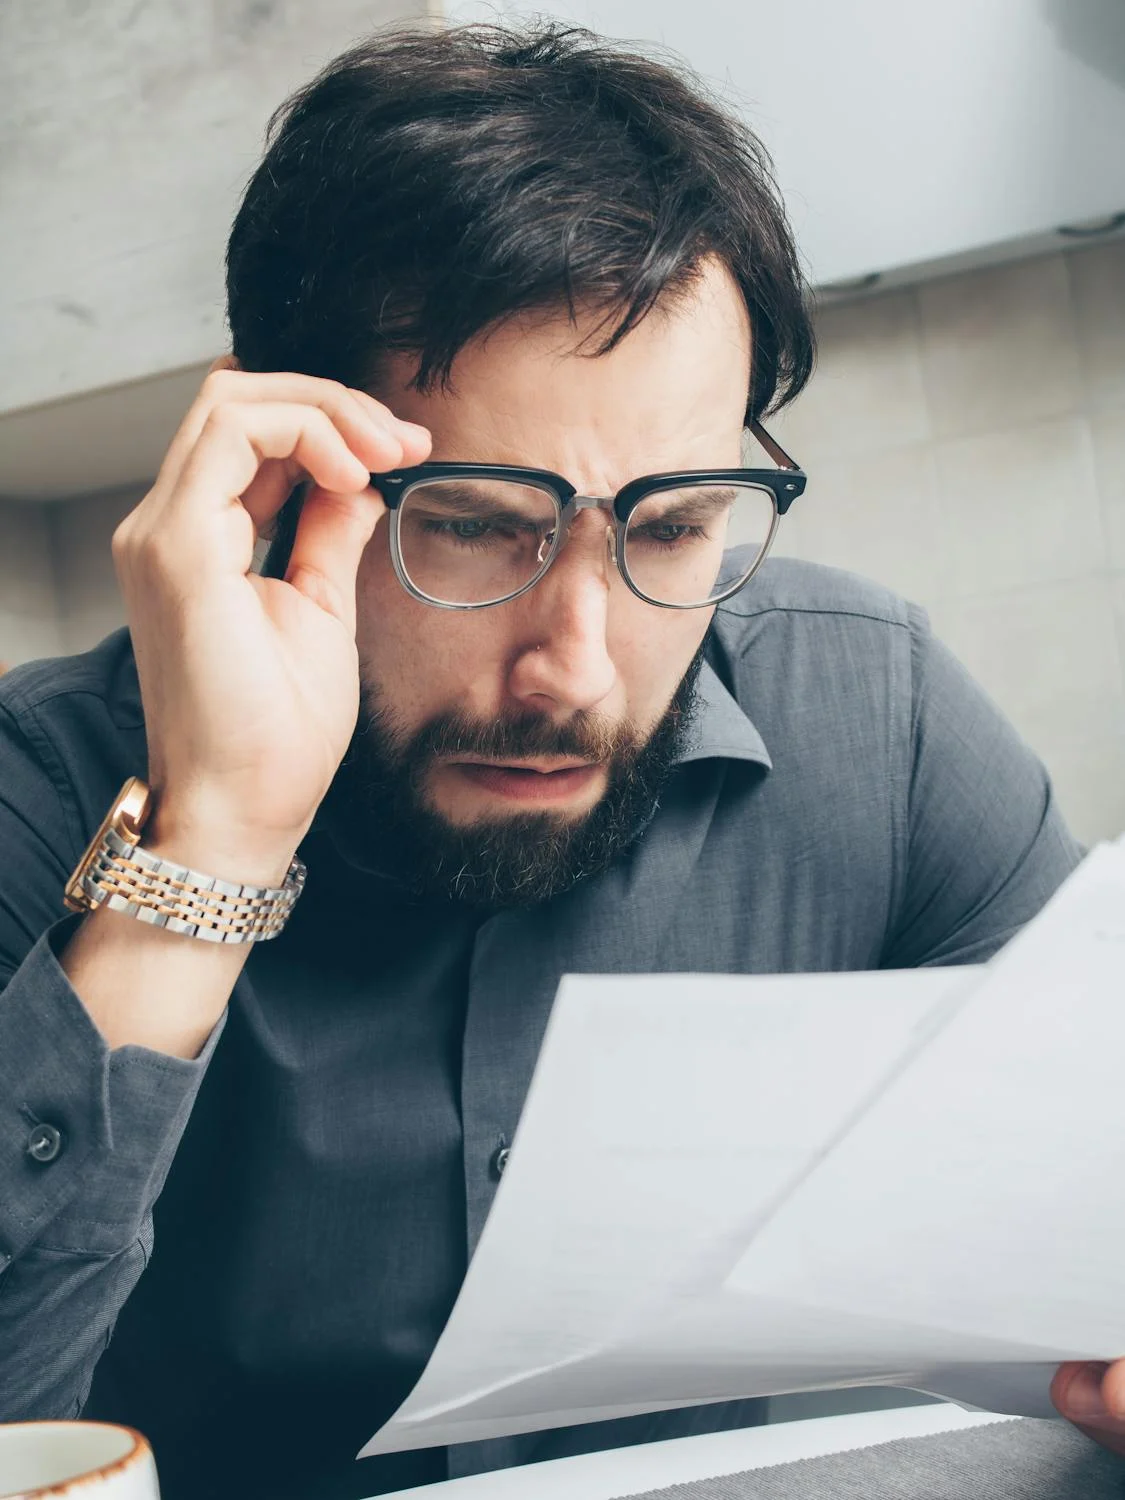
[[562, 663]]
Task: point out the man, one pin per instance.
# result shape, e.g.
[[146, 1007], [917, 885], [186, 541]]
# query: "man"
[[512, 732]]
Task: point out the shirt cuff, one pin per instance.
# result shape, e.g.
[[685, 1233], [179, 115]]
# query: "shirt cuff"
[[86, 1135]]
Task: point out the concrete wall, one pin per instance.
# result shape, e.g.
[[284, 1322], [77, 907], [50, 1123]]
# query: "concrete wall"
[[29, 603]]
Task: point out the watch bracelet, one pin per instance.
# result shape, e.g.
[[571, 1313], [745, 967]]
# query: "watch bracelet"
[[125, 878]]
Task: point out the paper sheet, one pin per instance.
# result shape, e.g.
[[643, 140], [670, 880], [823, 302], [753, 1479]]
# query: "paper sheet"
[[726, 1186]]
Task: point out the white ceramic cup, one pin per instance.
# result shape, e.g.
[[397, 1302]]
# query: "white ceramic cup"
[[75, 1461]]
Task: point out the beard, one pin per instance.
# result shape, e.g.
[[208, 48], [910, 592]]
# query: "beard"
[[518, 860]]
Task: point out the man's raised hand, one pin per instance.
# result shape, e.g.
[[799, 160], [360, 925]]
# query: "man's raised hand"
[[251, 685]]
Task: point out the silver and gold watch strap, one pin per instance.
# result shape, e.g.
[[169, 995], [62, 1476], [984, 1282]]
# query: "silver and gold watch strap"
[[119, 875]]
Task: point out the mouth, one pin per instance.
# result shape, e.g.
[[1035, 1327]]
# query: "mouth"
[[542, 780]]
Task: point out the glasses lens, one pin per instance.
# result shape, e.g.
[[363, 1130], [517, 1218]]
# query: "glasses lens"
[[475, 541], [692, 545]]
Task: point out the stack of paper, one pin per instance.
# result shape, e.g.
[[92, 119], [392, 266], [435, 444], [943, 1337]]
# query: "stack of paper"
[[730, 1186]]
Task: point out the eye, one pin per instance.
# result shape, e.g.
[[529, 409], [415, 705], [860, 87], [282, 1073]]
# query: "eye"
[[667, 533], [466, 531]]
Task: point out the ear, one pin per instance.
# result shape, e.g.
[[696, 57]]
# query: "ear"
[[224, 362]]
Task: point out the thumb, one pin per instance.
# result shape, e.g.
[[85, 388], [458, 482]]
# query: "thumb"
[[332, 532]]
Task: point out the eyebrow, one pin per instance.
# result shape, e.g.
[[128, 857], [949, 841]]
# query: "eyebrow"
[[466, 499], [692, 507]]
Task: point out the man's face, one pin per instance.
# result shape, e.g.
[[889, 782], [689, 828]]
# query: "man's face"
[[556, 692]]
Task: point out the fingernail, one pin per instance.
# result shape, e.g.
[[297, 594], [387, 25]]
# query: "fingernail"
[[1084, 1400]]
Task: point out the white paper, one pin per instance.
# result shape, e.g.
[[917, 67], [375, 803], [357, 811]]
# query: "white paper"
[[727, 1186], [1005, 1138]]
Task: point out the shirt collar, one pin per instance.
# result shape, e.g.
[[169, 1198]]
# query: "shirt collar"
[[722, 730]]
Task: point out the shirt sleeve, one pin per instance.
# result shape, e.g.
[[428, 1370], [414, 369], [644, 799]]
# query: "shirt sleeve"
[[87, 1135], [986, 843]]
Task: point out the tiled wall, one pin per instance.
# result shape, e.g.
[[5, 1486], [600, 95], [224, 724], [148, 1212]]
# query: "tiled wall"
[[29, 623], [89, 602], [58, 591], [965, 442], [966, 445]]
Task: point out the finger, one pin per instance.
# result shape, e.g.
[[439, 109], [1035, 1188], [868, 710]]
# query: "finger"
[[267, 492], [1113, 1390], [332, 533], [1077, 1392], [417, 441], [237, 441], [356, 414], [344, 404]]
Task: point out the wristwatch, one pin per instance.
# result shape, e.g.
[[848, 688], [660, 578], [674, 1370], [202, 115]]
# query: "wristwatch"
[[115, 872]]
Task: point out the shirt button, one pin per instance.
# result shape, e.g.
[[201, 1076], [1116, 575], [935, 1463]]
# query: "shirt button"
[[500, 1160], [44, 1143]]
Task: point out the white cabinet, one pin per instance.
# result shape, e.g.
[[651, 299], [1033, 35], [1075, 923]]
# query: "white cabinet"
[[907, 134], [127, 132]]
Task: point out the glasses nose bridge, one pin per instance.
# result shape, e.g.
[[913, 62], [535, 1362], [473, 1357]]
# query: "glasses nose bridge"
[[569, 514], [590, 502]]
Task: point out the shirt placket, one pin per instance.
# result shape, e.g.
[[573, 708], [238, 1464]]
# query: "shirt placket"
[[518, 960]]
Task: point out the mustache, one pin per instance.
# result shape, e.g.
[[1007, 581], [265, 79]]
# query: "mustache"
[[585, 736], [393, 750]]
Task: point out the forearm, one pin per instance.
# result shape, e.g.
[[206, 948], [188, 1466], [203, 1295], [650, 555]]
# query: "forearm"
[[57, 1313], [148, 987], [75, 1218]]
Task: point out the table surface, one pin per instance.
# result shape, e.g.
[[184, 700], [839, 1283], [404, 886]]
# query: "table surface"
[[628, 1471]]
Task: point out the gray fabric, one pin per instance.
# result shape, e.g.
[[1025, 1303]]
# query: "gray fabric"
[[328, 1166], [1022, 1460]]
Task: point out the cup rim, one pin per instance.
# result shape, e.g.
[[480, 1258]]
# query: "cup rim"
[[73, 1485]]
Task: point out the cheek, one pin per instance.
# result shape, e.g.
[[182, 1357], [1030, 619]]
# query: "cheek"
[[652, 649], [422, 660]]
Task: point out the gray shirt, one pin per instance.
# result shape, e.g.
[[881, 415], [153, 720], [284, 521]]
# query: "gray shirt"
[[251, 1255]]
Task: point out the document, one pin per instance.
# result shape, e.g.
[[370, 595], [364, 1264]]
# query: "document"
[[728, 1186]]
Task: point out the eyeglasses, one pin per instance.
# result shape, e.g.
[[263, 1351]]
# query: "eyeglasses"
[[465, 536]]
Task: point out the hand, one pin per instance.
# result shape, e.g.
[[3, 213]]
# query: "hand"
[[251, 685], [1092, 1396]]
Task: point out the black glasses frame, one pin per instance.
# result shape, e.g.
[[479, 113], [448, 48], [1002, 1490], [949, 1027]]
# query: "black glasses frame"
[[785, 484]]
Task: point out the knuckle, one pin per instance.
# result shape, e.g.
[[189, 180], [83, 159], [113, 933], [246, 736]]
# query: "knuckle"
[[357, 406], [379, 408], [149, 551], [122, 537], [320, 426], [130, 529], [218, 383], [223, 418], [156, 549], [326, 392]]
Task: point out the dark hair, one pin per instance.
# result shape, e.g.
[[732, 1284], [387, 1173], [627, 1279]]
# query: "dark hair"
[[429, 183]]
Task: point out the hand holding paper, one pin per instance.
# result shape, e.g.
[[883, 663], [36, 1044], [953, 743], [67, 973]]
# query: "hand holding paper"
[[1093, 1397]]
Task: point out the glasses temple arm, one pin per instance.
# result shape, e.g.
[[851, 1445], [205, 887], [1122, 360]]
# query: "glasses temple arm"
[[775, 450]]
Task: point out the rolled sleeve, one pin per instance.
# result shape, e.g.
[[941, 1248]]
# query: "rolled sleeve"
[[86, 1135]]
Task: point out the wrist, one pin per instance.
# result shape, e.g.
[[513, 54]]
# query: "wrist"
[[229, 854]]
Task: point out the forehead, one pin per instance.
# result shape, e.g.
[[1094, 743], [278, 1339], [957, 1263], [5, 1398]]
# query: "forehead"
[[532, 382]]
